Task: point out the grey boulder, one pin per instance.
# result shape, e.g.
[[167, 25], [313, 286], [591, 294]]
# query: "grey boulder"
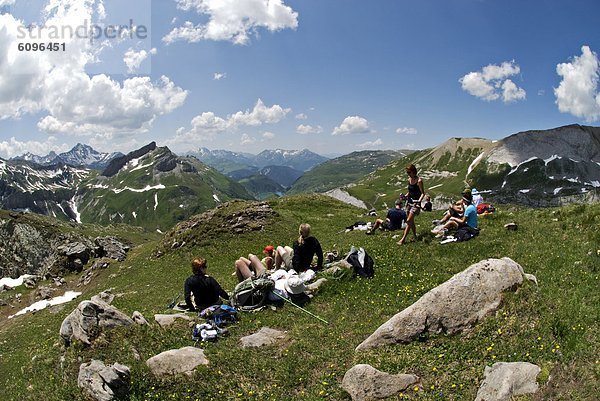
[[89, 318], [459, 303], [177, 361], [104, 383], [503, 380], [265, 336], [364, 382]]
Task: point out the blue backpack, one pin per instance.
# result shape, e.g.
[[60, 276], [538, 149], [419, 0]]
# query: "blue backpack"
[[220, 315]]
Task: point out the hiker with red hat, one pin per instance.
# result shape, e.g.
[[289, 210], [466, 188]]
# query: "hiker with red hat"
[[253, 266]]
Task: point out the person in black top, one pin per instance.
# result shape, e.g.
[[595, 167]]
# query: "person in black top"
[[415, 195], [427, 207], [393, 221], [206, 290], [304, 249]]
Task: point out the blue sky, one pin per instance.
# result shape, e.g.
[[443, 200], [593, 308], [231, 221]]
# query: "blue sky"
[[331, 76]]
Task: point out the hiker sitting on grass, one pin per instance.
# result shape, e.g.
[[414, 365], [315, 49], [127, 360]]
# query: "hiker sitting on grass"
[[205, 289], [455, 209], [468, 219], [283, 257], [251, 267], [305, 248], [395, 219]]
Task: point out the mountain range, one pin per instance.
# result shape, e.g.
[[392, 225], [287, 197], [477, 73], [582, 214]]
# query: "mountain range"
[[536, 168], [80, 156], [154, 188]]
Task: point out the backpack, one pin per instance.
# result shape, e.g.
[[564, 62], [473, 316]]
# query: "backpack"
[[465, 233], [219, 314], [252, 293], [361, 262]]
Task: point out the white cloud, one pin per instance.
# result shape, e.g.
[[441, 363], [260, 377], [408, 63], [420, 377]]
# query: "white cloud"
[[371, 144], [14, 147], [6, 3], [301, 116], [233, 20], [247, 140], [352, 125], [491, 83], [577, 93], [308, 129], [268, 135], [219, 76], [133, 59], [406, 131], [57, 85], [206, 125]]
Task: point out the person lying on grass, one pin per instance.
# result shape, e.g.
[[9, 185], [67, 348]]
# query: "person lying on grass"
[[394, 220], [468, 219], [204, 288]]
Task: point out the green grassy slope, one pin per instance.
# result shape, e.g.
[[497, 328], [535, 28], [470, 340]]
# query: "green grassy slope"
[[343, 170], [553, 325], [443, 169]]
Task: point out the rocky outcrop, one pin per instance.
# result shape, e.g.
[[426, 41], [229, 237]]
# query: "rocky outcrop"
[[89, 318], [265, 336], [451, 307], [504, 380], [178, 361], [104, 383], [225, 219], [139, 319], [36, 245], [117, 163], [364, 382]]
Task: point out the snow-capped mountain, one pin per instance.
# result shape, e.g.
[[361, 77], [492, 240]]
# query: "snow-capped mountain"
[[80, 155], [302, 160], [150, 187]]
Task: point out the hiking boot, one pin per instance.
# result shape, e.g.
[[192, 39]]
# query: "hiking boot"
[[369, 232], [436, 222], [441, 233]]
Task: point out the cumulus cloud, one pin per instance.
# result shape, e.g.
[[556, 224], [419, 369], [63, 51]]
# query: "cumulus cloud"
[[14, 147], [217, 76], [301, 116], [206, 125], [268, 135], [56, 83], [352, 125], [308, 129], [577, 93], [406, 131], [492, 83], [232, 20], [247, 140], [371, 144], [6, 3], [133, 59]]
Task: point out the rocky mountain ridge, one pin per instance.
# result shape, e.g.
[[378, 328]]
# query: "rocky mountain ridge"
[[80, 155]]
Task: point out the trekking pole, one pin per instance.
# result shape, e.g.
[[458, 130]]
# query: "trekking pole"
[[301, 308]]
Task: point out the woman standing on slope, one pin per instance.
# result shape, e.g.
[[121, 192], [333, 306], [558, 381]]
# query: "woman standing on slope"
[[415, 194]]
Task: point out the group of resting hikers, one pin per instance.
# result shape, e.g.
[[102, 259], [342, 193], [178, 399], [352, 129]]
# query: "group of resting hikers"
[[290, 267]]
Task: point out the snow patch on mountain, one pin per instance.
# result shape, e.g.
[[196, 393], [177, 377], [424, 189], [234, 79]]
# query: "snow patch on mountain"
[[145, 189]]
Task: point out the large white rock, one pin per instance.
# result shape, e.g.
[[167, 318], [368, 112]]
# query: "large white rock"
[[177, 361], [458, 303], [503, 380], [104, 383], [89, 319], [364, 382]]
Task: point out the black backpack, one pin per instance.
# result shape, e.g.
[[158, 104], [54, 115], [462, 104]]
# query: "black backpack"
[[466, 233], [366, 269]]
